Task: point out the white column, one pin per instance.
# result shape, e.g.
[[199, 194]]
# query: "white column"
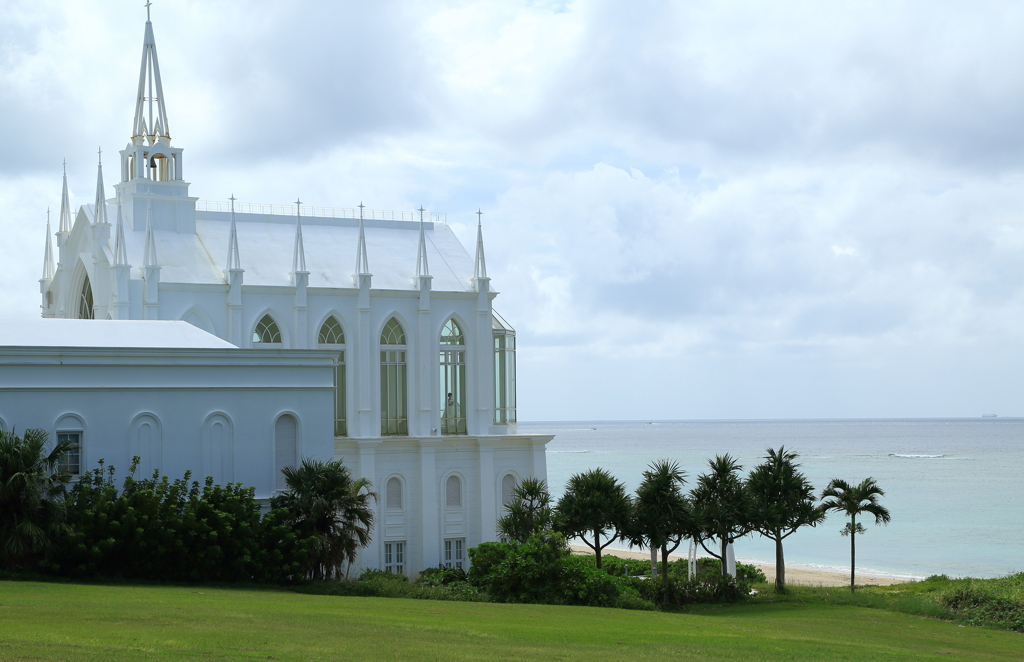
[[301, 308], [234, 306], [482, 346], [427, 404], [368, 469], [430, 545], [540, 462], [366, 363], [488, 504]]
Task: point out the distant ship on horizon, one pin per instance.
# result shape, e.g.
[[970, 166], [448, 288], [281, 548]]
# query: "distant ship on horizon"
[[988, 416]]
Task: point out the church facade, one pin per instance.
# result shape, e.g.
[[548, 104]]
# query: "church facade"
[[422, 399]]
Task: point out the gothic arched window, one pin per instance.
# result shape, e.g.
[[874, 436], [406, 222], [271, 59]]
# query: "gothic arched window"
[[508, 489], [394, 418], [85, 310], [333, 337], [453, 379], [453, 492], [266, 331]]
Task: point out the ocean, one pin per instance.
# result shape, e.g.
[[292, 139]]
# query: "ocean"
[[954, 487]]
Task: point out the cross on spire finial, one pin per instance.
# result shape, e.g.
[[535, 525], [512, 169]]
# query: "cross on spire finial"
[[148, 3], [298, 201], [421, 210], [479, 216], [232, 198], [65, 166], [99, 151], [361, 209]]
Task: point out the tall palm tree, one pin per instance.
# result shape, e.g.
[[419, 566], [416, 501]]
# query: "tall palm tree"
[[595, 504], [528, 512], [661, 516], [328, 505], [32, 490], [854, 500], [721, 506], [782, 500]]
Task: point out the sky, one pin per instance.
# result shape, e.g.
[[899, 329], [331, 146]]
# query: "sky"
[[691, 210]]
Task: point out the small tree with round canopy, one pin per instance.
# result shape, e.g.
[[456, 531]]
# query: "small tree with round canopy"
[[595, 506]]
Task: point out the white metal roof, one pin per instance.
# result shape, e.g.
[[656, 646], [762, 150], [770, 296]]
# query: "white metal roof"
[[265, 245], [106, 333]]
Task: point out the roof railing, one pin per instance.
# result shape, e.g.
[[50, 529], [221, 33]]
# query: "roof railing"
[[323, 212]]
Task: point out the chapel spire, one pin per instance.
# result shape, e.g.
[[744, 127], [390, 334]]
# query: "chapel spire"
[[362, 263], [234, 261], [120, 249], [299, 251], [480, 263], [149, 253], [150, 113], [422, 268], [65, 206], [48, 251], [100, 214]]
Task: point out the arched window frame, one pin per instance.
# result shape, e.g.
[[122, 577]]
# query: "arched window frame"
[[278, 483], [72, 424], [151, 455], [401, 493], [516, 482], [330, 341], [278, 341], [462, 491], [222, 457], [394, 379], [453, 391]]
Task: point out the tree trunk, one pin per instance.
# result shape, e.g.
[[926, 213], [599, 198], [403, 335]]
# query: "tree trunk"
[[597, 547], [780, 566], [654, 561], [664, 566], [853, 549], [725, 545]]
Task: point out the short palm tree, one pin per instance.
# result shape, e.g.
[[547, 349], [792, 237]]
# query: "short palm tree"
[[32, 490], [326, 504], [854, 500], [721, 506], [782, 500], [595, 506], [528, 512], [661, 516]]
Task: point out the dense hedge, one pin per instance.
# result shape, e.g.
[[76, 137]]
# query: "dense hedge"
[[155, 528]]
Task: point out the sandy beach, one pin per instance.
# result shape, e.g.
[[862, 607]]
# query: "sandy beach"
[[795, 573]]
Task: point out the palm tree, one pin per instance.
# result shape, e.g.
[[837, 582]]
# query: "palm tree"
[[528, 512], [328, 505], [595, 504], [661, 516], [782, 500], [721, 506], [853, 501], [32, 490]]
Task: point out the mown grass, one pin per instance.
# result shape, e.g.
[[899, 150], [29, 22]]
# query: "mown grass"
[[55, 621]]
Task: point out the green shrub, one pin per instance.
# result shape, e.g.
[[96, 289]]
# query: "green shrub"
[[616, 566], [441, 576], [978, 605]]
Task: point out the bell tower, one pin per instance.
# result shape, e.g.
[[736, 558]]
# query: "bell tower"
[[151, 169]]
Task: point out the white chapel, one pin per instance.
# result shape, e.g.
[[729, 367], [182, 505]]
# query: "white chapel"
[[231, 339]]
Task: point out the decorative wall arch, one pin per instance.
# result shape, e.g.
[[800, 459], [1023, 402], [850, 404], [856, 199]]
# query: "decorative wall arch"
[[146, 441], [323, 319], [79, 277], [74, 423], [406, 326], [503, 495], [218, 448], [287, 446], [198, 318], [278, 320], [460, 320]]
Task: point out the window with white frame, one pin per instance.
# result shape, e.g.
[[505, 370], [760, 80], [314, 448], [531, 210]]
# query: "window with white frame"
[[454, 552], [504, 337], [266, 332], [393, 494], [332, 336], [453, 492], [508, 489], [71, 461], [394, 557], [394, 418], [453, 379]]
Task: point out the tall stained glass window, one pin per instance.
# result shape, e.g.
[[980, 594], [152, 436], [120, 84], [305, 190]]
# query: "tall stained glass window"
[[394, 395], [504, 370], [453, 379], [333, 337]]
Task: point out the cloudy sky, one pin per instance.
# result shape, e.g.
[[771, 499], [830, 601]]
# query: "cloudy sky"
[[692, 210]]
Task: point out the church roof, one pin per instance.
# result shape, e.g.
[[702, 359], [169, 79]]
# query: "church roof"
[[149, 334], [265, 247]]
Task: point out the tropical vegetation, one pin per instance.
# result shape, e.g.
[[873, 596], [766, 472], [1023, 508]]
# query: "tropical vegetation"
[[853, 500]]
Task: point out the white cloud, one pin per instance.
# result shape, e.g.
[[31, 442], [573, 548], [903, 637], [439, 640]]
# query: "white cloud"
[[692, 209]]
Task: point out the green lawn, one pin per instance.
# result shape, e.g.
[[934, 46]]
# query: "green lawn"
[[49, 621]]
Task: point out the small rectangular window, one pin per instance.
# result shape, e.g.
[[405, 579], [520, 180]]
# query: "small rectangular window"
[[71, 461], [394, 557], [454, 552]]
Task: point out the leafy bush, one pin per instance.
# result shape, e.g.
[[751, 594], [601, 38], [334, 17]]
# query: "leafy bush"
[[616, 566], [979, 605], [542, 570], [441, 576], [154, 528]]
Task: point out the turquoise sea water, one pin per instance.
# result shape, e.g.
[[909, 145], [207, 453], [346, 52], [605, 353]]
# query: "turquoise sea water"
[[954, 487]]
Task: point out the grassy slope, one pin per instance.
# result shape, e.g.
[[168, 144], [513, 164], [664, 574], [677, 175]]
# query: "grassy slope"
[[87, 622]]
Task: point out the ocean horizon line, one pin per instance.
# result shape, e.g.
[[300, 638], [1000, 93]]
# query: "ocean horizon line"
[[986, 418]]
